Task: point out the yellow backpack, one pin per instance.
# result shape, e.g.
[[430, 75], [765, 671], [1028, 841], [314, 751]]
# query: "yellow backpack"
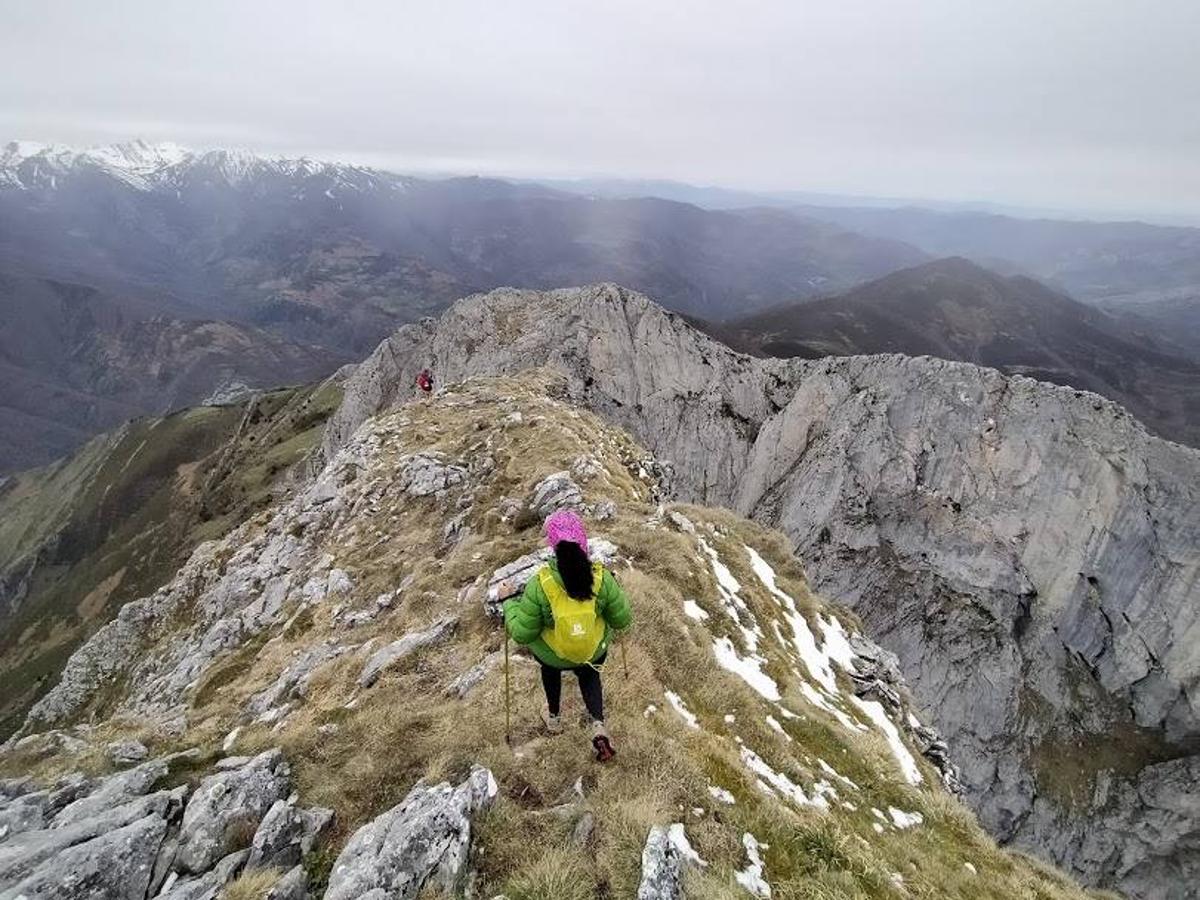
[[578, 630]]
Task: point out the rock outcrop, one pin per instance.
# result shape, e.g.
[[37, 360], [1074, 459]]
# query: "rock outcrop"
[[422, 842], [226, 801], [123, 839], [1028, 551], [665, 857]]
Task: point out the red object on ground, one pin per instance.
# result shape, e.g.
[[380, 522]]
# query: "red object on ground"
[[604, 750], [425, 380]]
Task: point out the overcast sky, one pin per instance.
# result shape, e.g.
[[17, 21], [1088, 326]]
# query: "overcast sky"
[[1070, 104]]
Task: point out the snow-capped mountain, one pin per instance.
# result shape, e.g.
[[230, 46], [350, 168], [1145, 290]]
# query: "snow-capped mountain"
[[168, 166]]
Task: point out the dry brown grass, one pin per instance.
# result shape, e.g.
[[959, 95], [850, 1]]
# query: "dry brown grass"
[[251, 885], [404, 729]]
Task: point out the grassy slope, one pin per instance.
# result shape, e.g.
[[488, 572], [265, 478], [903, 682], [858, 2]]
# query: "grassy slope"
[[116, 519], [404, 728]]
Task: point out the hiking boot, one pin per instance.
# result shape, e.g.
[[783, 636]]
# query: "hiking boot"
[[602, 743], [553, 722]]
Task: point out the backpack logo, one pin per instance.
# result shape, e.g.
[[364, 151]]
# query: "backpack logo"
[[577, 629]]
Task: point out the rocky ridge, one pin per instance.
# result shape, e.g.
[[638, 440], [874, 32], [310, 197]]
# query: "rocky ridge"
[[756, 725], [1028, 551]]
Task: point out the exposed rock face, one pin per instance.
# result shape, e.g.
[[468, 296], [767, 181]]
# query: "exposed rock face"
[[114, 865], [1028, 552], [293, 681], [666, 854], [424, 841], [225, 801], [286, 834], [406, 646], [554, 492]]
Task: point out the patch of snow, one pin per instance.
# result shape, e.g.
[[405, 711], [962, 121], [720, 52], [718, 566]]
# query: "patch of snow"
[[777, 782], [878, 828], [830, 770], [721, 795], [680, 707], [730, 718], [874, 711], [678, 839], [729, 587], [748, 668], [693, 610], [823, 790], [774, 723], [751, 877], [816, 698], [970, 868], [902, 819], [650, 710]]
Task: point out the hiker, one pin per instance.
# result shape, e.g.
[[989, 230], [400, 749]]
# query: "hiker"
[[567, 616], [425, 381]]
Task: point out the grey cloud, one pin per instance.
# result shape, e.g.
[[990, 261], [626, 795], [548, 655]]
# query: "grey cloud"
[[1075, 103]]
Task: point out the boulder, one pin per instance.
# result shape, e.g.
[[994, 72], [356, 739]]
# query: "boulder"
[[466, 682], [664, 858], [292, 683], [228, 807], [429, 474], [553, 492], [115, 865], [113, 791], [286, 834], [209, 885], [422, 842], [585, 468], [292, 886], [394, 652], [126, 752], [24, 853], [24, 813]]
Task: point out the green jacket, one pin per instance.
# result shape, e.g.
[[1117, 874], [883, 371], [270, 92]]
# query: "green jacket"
[[527, 616]]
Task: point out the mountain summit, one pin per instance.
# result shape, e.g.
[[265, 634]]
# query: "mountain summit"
[[1028, 550]]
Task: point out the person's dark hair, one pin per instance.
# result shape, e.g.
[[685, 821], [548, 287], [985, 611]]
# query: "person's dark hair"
[[575, 569]]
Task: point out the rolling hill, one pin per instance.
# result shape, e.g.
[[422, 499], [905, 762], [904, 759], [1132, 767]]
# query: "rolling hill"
[[957, 310]]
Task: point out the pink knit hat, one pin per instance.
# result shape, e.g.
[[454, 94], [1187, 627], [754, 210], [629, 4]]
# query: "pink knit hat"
[[564, 525]]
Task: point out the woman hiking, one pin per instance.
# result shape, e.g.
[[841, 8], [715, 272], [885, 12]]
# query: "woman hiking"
[[566, 617]]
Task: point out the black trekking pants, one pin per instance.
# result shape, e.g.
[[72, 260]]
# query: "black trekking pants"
[[589, 687]]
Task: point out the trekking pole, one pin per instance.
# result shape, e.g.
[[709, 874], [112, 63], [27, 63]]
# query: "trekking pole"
[[507, 696], [624, 658]]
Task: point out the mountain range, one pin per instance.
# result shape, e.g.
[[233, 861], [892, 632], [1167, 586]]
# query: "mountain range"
[[1146, 274], [311, 264]]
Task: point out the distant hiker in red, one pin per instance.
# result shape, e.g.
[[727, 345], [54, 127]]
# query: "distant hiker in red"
[[567, 616], [425, 381]]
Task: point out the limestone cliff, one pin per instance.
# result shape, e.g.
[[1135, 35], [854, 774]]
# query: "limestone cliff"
[[1029, 551]]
